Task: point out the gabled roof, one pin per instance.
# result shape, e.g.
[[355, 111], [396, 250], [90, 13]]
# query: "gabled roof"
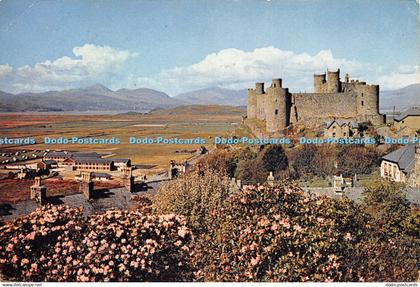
[[86, 155], [101, 174], [404, 157], [415, 111], [59, 154], [341, 122], [124, 160]]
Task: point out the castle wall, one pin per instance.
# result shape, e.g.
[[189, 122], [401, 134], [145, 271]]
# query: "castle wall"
[[332, 99], [313, 108]]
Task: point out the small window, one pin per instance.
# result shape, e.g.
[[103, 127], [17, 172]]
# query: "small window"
[[333, 135], [363, 103], [276, 112]]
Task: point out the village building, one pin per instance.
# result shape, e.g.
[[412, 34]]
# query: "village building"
[[58, 156], [121, 163], [403, 165], [102, 164], [340, 128], [408, 119], [96, 176]]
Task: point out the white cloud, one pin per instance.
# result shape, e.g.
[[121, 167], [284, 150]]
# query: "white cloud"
[[5, 70], [91, 64], [231, 68], [404, 76], [234, 68]]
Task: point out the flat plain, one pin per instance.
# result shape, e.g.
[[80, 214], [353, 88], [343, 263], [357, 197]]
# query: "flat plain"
[[182, 122]]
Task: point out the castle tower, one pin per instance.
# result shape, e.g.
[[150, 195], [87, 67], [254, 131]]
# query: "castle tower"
[[368, 103], [251, 108], [333, 82], [261, 100], [276, 83], [128, 178], [347, 78], [86, 185], [277, 107], [38, 191], [320, 83], [259, 88]]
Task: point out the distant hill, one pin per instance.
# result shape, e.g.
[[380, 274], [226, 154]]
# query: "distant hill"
[[201, 110], [100, 98], [215, 96], [94, 98], [402, 99]]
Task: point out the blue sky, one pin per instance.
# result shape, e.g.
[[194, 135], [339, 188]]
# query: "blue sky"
[[176, 46]]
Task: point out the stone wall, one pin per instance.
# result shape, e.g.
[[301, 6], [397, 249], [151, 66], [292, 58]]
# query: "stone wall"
[[313, 108]]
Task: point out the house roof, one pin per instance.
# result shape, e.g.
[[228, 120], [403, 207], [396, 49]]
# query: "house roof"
[[50, 161], [341, 122], [415, 111], [59, 154], [86, 155], [124, 160], [404, 157], [100, 174]]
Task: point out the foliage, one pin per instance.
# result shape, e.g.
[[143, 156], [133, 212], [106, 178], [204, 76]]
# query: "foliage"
[[194, 196], [353, 159], [273, 158], [60, 244], [314, 160], [220, 160], [388, 205], [279, 234]]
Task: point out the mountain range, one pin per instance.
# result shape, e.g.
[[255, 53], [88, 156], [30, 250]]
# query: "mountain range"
[[401, 99], [100, 98]]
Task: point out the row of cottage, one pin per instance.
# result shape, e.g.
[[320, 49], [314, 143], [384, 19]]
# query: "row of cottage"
[[89, 161]]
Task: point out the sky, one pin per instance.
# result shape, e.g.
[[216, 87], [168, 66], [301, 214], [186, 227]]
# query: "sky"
[[181, 45]]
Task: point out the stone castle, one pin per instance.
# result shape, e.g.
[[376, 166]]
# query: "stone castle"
[[331, 99]]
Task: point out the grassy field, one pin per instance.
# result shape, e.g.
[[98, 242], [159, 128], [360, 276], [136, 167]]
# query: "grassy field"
[[189, 122]]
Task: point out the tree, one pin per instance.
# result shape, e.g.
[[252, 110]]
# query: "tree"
[[273, 158]]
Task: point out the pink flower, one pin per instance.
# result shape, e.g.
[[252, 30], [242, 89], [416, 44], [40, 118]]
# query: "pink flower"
[[255, 261], [297, 228], [24, 261], [328, 279], [348, 236], [183, 231]]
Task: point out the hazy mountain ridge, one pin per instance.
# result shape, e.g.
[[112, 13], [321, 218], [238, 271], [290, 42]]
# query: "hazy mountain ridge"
[[93, 98], [402, 99], [215, 96], [100, 98]]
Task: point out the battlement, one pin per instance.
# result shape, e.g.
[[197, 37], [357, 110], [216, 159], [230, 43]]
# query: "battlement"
[[332, 98]]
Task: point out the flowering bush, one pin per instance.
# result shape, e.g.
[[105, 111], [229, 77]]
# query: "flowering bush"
[[278, 234], [194, 196], [258, 233], [60, 244]]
